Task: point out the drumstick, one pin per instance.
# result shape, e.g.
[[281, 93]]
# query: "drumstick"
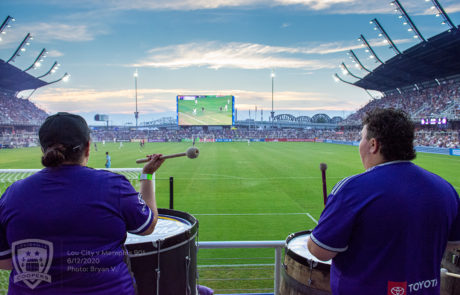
[[192, 153], [323, 168], [447, 273]]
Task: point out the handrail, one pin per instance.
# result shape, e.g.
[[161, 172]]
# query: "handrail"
[[278, 245]]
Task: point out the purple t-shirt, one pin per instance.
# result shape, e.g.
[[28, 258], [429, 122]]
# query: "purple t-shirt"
[[65, 228], [390, 226]]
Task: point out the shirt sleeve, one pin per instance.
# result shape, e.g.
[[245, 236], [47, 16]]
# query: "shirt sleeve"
[[5, 250], [454, 235], [335, 223], [136, 213]]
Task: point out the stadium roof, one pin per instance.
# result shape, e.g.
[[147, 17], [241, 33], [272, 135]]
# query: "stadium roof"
[[14, 79], [436, 58]]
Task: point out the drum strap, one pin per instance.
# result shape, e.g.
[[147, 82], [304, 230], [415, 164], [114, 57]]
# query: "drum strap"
[[299, 287], [187, 267], [158, 269]]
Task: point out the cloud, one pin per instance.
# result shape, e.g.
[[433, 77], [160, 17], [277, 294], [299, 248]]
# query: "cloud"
[[324, 6], [216, 55], [54, 53], [250, 56], [47, 32], [163, 100]]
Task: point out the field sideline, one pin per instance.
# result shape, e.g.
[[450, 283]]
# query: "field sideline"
[[260, 191]]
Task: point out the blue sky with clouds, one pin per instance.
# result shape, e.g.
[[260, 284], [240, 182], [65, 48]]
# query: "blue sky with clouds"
[[206, 47]]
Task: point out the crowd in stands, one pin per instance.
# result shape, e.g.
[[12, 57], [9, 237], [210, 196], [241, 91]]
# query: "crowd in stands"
[[434, 102], [440, 101], [18, 111], [434, 137], [18, 138], [446, 138]]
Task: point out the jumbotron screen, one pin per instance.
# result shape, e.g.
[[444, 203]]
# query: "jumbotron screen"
[[193, 110]]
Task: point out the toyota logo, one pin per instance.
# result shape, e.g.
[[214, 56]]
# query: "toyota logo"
[[397, 291]]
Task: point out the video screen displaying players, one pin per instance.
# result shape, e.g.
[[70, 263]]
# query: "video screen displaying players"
[[193, 110]]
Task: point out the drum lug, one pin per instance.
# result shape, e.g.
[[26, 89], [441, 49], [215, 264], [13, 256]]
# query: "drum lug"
[[310, 281], [455, 259], [284, 266]]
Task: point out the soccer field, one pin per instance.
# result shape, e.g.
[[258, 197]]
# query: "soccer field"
[[240, 191]]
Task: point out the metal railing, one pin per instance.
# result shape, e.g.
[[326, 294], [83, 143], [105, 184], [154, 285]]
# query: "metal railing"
[[277, 245]]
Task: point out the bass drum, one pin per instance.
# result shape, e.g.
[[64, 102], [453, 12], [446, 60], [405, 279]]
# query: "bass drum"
[[164, 262], [450, 272], [302, 273]]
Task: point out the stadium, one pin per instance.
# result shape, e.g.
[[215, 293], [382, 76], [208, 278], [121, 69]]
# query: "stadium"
[[256, 183]]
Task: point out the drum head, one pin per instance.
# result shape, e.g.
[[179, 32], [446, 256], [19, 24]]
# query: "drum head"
[[172, 228], [296, 248]]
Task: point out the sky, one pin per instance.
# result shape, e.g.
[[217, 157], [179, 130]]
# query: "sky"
[[206, 47]]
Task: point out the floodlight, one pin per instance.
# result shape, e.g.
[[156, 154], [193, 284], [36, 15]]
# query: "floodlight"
[[409, 21], [20, 48], [369, 48], [66, 77], [441, 12], [52, 70], [357, 61], [337, 78], [383, 33], [5, 25], [346, 71], [38, 60]]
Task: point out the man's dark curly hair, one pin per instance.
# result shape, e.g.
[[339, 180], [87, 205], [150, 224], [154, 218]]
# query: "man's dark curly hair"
[[394, 130]]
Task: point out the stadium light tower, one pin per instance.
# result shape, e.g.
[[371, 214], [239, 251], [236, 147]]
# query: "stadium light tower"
[[52, 70], [407, 20], [346, 71], [273, 85], [385, 35], [64, 78], [5, 25], [21, 47], [369, 49], [357, 62], [337, 79], [442, 13], [136, 113], [38, 60]]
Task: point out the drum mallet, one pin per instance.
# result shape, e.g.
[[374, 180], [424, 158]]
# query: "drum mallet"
[[323, 167], [192, 153]]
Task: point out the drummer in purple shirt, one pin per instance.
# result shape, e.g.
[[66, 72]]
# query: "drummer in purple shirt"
[[386, 229], [62, 230]]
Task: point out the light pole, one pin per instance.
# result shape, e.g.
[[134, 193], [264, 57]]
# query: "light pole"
[[273, 83], [136, 113]]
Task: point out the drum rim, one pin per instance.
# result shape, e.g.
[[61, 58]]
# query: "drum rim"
[[161, 250], [300, 259], [173, 240]]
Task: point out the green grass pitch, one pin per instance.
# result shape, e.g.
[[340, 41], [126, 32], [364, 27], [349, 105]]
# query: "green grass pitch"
[[260, 191], [213, 112]]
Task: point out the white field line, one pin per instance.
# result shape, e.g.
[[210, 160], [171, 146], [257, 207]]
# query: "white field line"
[[244, 214], [255, 214], [427, 155], [311, 217], [221, 176]]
